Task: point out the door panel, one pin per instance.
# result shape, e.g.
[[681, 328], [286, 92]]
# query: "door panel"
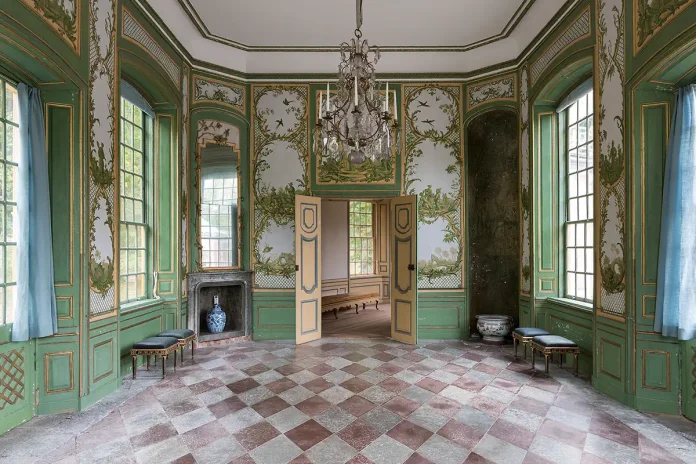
[[308, 277], [404, 271]]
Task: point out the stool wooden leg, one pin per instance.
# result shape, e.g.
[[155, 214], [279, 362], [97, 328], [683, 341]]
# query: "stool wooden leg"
[[174, 360], [560, 359], [546, 363], [514, 344], [135, 361], [164, 364], [147, 362], [377, 305], [181, 348], [524, 344], [575, 363], [336, 312], [533, 354], [192, 346], [363, 306], [356, 308]]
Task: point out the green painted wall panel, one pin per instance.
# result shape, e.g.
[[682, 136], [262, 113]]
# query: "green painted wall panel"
[[18, 360], [657, 376], [442, 315], [273, 315], [164, 196], [688, 376]]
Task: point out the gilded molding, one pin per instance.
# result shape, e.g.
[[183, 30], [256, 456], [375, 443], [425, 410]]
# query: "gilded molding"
[[650, 17], [47, 374], [11, 377]]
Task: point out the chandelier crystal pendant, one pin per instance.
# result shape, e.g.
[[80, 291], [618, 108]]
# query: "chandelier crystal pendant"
[[356, 123]]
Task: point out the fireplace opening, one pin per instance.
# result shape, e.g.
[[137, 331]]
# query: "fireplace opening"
[[230, 299]]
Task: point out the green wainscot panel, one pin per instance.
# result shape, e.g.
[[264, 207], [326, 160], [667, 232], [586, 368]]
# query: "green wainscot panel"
[[657, 376], [610, 365], [442, 316], [525, 311], [102, 362], [17, 372], [273, 315], [58, 364], [688, 379]]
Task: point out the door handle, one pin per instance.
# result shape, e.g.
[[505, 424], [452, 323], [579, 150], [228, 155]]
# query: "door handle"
[[297, 267], [411, 267]]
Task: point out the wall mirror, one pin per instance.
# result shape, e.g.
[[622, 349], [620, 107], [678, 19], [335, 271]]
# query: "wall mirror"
[[219, 198]]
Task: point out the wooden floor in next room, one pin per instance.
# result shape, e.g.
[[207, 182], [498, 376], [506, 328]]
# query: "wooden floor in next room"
[[368, 323]]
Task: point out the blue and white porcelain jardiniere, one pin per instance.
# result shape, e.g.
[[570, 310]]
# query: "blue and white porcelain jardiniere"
[[216, 318], [493, 327]]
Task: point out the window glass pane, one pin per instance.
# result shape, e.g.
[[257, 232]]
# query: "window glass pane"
[[361, 240], [570, 259], [590, 155], [582, 183], [589, 260], [582, 208], [580, 260], [573, 209], [582, 132], [589, 286], [570, 282], [580, 286], [579, 235], [582, 157], [573, 113], [572, 136], [582, 107], [570, 235], [573, 185]]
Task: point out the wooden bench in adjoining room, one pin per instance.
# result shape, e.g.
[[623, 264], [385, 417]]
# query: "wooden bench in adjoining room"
[[347, 300]]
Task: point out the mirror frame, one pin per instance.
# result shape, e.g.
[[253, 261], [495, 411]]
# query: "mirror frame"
[[199, 164]]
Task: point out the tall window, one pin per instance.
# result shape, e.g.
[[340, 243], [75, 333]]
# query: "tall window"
[[362, 242], [579, 257], [134, 229], [9, 225], [218, 216]]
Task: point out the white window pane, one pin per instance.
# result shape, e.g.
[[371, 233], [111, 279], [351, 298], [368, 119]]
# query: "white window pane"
[[132, 288], [590, 128], [580, 234], [573, 185], [589, 286], [590, 154], [582, 107], [570, 283], [580, 286], [590, 180], [10, 299], [123, 288], [589, 260], [582, 157], [590, 207], [580, 259], [589, 231], [570, 235], [573, 113], [573, 210], [11, 264], [582, 132], [572, 136], [582, 183], [140, 286], [570, 259], [582, 208]]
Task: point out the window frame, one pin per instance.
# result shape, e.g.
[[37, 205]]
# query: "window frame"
[[5, 282], [363, 249], [566, 196], [148, 128]]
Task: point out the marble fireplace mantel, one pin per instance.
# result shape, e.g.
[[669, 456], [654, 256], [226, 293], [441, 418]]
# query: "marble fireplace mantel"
[[199, 281]]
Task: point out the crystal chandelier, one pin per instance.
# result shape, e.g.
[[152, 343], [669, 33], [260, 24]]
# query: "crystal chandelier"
[[357, 122]]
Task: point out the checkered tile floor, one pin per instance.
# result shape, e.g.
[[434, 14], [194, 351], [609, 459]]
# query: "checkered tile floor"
[[356, 401]]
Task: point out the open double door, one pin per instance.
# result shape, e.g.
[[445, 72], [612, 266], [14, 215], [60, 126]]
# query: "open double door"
[[404, 275]]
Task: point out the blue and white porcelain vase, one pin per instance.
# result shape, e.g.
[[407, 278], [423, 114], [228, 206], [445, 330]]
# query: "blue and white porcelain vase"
[[216, 318]]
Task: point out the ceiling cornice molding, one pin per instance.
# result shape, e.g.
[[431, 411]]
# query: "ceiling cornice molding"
[[198, 22], [466, 77]]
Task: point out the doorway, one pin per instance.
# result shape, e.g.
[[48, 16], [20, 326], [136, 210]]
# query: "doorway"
[[356, 273]]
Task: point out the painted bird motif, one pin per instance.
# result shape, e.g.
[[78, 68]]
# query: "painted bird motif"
[[429, 121], [424, 104], [279, 123], [287, 102]]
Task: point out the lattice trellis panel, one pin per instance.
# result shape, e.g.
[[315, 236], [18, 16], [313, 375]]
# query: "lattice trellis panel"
[[11, 377]]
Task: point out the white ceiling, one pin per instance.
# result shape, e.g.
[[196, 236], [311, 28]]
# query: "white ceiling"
[[327, 23], [301, 36]]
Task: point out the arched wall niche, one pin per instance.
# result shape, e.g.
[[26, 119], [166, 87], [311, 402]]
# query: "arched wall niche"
[[492, 193]]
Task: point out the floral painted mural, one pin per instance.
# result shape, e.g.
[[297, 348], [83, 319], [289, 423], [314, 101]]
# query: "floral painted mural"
[[612, 202], [62, 15], [219, 92], [280, 157], [102, 130], [525, 194], [651, 16], [433, 171], [497, 89]]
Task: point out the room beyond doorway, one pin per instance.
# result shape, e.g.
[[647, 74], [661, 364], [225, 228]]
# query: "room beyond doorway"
[[355, 268]]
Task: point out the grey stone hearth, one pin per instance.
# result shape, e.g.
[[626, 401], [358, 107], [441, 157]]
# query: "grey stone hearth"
[[234, 291]]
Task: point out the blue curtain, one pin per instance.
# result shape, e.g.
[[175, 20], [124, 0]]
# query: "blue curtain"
[[35, 312], [676, 288]]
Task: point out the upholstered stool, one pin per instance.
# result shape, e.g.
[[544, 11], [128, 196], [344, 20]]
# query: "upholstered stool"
[[549, 345], [525, 335], [157, 346], [184, 336]]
